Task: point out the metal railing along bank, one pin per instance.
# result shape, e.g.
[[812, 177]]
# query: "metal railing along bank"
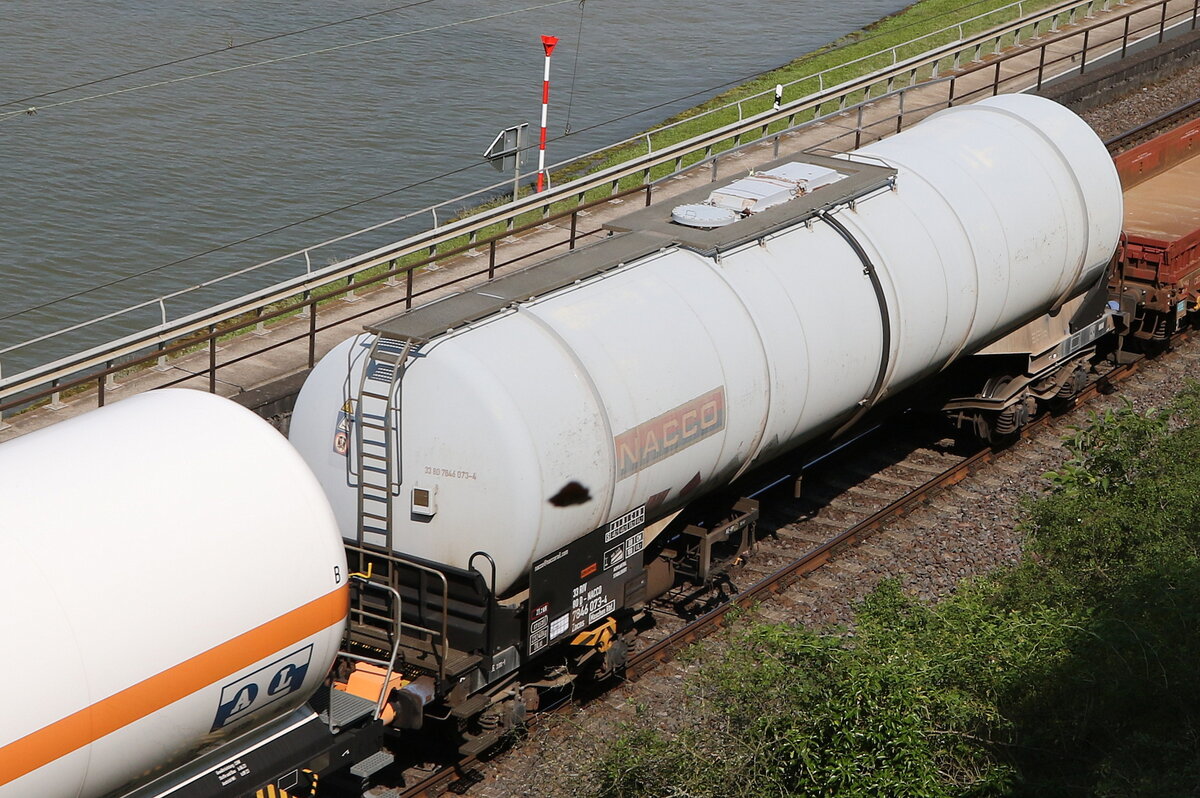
[[876, 103]]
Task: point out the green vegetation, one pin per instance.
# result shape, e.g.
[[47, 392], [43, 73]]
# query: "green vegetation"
[[1072, 673], [853, 56], [923, 26], [920, 28]]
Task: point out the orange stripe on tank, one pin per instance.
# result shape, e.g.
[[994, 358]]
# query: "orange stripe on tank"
[[146, 697]]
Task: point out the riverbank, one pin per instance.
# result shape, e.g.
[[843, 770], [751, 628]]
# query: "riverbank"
[[919, 28]]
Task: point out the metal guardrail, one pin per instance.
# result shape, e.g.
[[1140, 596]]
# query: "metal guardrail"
[[307, 292], [952, 51]]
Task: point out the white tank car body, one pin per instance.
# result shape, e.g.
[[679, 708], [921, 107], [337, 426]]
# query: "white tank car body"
[[999, 210], [171, 575]]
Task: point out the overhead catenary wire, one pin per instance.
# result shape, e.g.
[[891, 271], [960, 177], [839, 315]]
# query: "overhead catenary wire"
[[281, 59], [196, 56], [575, 69], [231, 244], [706, 91], [348, 206]]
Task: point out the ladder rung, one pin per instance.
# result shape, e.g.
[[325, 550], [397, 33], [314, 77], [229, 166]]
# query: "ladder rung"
[[374, 517], [373, 469], [370, 456], [369, 498]]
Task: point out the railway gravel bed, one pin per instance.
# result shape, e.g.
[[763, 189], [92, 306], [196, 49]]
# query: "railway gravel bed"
[[1173, 90], [965, 530]]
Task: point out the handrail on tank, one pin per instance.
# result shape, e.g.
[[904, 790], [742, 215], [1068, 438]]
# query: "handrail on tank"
[[491, 591], [445, 633], [471, 565], [398, 621]]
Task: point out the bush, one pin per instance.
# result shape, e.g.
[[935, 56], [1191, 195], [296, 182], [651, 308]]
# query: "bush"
[[1073, 673]]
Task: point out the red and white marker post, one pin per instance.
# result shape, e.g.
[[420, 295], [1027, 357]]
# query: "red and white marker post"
[[548, 43]]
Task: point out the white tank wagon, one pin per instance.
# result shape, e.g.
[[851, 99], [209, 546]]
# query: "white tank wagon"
[[173, 577], [667, 360]]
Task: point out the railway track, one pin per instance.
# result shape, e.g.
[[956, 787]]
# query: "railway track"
[[847, 497], [856, 492], [1148, 130]]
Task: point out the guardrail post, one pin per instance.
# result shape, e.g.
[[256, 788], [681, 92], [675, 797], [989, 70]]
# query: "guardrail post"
[[408, 289], [858, 129], [1125, 37], [391, 281], [56, 402], [574, 226], [312, 328], [212, 358], [110, 378], [1162, 23], [1195, 8], [260, 328], [1041, 64], [349, 295], [1083, 55], [900, 112], [101, 382], [996, 80], [492, 259], [3, 425], [160, 365]]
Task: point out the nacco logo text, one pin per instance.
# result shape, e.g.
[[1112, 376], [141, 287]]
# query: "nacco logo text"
[[676, 429]]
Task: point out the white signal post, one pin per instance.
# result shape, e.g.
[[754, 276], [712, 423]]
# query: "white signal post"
[[548, 43]]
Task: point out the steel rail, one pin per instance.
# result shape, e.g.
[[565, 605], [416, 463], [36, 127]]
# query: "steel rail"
[[781, 579], [1143, 132], [784, 577]]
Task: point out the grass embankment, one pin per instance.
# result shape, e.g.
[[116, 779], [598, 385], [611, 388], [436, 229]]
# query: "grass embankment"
[[840, 61], [915, 30], [921, 27], [1072, 673]]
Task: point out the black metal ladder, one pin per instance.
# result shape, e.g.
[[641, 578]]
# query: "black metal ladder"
[[377, 438]]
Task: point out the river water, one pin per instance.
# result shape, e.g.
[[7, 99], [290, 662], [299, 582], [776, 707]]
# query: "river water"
[[111, 201]]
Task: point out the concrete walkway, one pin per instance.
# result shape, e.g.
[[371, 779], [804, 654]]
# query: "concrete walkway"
[[1016, 74]]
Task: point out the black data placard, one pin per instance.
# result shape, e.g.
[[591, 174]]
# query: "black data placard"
[[584, 581]]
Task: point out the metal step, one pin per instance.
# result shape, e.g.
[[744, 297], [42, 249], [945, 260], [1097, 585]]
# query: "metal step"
[[424, 654], [477, 745], [472, 706], [345, 709], [372, 764]]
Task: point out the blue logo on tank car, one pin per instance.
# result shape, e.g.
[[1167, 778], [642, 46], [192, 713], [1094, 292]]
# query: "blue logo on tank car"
[[265, 686]]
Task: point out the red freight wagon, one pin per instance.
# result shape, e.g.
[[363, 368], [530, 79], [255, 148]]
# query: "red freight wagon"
[[1159, 260]]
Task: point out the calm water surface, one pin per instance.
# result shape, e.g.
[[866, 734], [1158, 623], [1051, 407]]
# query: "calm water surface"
[[95, 191]]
